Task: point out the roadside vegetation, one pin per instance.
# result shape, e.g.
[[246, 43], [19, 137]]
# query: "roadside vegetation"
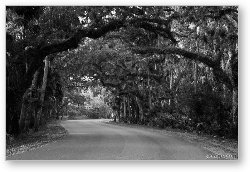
[[165, 67], [52, 132]]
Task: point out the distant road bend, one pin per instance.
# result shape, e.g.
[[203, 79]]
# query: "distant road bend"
[[95, 140]]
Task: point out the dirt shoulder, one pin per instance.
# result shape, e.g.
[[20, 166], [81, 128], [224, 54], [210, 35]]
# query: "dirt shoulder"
[[49, 133], [223, 148]]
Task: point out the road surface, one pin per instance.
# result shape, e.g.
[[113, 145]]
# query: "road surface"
[[95, 140]]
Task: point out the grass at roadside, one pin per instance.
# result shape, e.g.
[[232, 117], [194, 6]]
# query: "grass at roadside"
[[49, 133]]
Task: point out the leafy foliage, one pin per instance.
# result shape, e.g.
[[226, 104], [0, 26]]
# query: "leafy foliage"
[[161, 66]]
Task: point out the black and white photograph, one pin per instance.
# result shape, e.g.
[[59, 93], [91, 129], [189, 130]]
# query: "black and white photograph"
[[121, 82]]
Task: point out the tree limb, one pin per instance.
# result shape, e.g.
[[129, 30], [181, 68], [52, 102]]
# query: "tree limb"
[[75, 40], [173, 50], [207, 60]]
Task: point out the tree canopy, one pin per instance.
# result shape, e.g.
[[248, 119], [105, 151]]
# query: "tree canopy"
[[161, 64]]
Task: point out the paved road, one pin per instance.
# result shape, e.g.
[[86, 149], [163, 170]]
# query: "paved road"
[[95, 140]]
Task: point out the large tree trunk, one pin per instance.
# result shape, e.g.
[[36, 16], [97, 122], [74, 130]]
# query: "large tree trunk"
[[24, 110], [34, 102], [136, 111], [43, 88], [141, 115], [149, 94], [129, 111], [124, 110], [115, 116], [28, 107], [229, 70], [195, 69], [133, 111], [195, 77], [119, 112], [45, 74], [234, 112], [170, 87]]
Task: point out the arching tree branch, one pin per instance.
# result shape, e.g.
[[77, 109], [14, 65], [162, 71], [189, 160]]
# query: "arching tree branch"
[[178, 51], [207, 60]]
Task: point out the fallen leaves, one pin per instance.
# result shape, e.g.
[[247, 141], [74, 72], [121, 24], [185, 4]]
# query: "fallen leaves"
[[49, 133]]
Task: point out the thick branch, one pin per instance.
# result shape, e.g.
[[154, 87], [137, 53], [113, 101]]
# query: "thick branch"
[[38, 54], [173, 50], [95, 33], [75, 40], [207, 60]]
